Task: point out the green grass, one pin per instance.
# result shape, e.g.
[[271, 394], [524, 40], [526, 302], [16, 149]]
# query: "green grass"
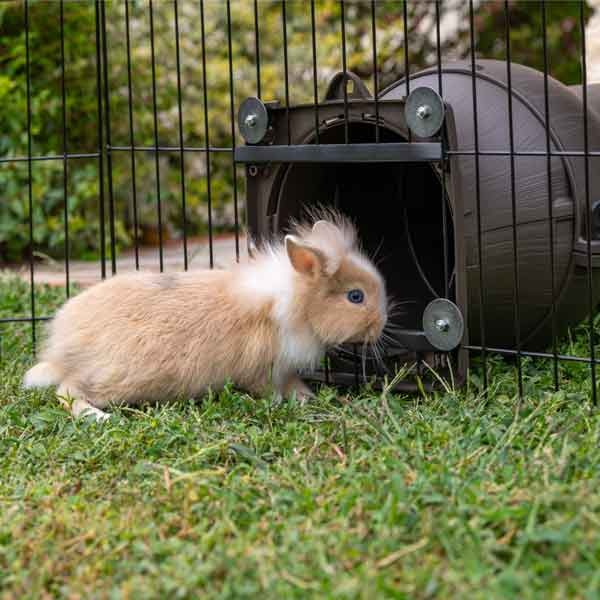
[[442, 496]]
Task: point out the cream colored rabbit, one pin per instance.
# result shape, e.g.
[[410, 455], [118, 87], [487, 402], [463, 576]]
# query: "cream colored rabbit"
[[151, 337]]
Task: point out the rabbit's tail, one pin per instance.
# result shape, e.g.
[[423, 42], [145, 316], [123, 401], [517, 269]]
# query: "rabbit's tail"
[[44, 374]]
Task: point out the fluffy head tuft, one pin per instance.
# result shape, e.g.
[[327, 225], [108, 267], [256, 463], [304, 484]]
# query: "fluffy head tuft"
[[309, 278], [329, 231]]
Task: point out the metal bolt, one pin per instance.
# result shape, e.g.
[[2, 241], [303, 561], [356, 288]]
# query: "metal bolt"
[[442, 325], [424, 111], [251, 120]]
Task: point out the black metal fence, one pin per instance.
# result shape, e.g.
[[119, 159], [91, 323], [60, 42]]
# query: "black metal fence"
[[149, 65]]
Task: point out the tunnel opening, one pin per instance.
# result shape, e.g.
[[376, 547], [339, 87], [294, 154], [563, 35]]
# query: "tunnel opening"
[[398, 209]]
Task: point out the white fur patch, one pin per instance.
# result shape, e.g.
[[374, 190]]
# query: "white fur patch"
[[299, 349], [43, 374], [271, 278]]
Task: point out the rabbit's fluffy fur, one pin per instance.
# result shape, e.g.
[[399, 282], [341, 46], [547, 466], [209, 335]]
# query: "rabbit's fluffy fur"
[[151, 337]]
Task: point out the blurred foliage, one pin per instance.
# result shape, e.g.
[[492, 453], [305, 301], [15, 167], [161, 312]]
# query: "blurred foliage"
[[81, 103]]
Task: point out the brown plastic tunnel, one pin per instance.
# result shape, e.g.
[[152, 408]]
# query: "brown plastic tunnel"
[[541, 246], [567, 200]]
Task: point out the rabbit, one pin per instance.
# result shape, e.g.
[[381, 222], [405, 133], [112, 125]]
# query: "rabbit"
[[147, 337]]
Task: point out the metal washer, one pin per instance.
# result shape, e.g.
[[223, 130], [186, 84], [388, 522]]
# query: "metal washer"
[[443, 324], [424, 112], [253, 120]]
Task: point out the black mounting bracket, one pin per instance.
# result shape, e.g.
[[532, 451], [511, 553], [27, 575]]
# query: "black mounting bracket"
[[341, 153]]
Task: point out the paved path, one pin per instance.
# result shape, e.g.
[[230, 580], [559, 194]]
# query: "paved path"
[[85, 273]]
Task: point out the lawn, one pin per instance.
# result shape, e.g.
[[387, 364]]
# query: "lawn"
[[449, 495]]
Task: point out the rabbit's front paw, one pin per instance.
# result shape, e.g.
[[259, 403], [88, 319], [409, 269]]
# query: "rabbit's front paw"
[[81, 408], [296, 387]]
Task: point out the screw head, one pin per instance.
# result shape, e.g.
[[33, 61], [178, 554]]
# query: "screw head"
[[442, 325], [424, 111], [253, 120]]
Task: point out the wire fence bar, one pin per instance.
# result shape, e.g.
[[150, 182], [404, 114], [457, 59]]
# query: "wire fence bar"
[[355, 350], [155, 126], [257, 49], [136, 233], [100, 127], [180, 126], [63, 94], [443, 201], [531, 354], [477, 196], [588, 205], [513, 196], [152, 149], [27, 319], [232, 118], [214, 149], [109, 165], [524, 153], [375, 67], [313, 39], [406, 48], [49, 157], [206, 136], [555, 370], [29, 178], [286, 70], [345, 72]]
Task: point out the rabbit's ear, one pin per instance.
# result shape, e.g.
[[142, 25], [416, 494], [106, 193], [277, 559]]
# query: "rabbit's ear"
[[305, 259], [325, 228]]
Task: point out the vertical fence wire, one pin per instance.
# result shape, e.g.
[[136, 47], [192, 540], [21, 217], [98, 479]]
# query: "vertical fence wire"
[[100, 141], [257, 49], [344, 70], [64, 147], [478, 197], [406, 56], [206, 136], [347, 140], [550, 196], [109, 169], [588, 206], [136, 239], [180, 126], [29, 175], [233, 144], [286, 74], [513, 195], [313, 31], [376, 103], [405, 46], [314, 67], [156, 151], [444, 155], [375, 69]]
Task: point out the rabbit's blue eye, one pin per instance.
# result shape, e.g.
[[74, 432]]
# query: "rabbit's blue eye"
[[356, 296]]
